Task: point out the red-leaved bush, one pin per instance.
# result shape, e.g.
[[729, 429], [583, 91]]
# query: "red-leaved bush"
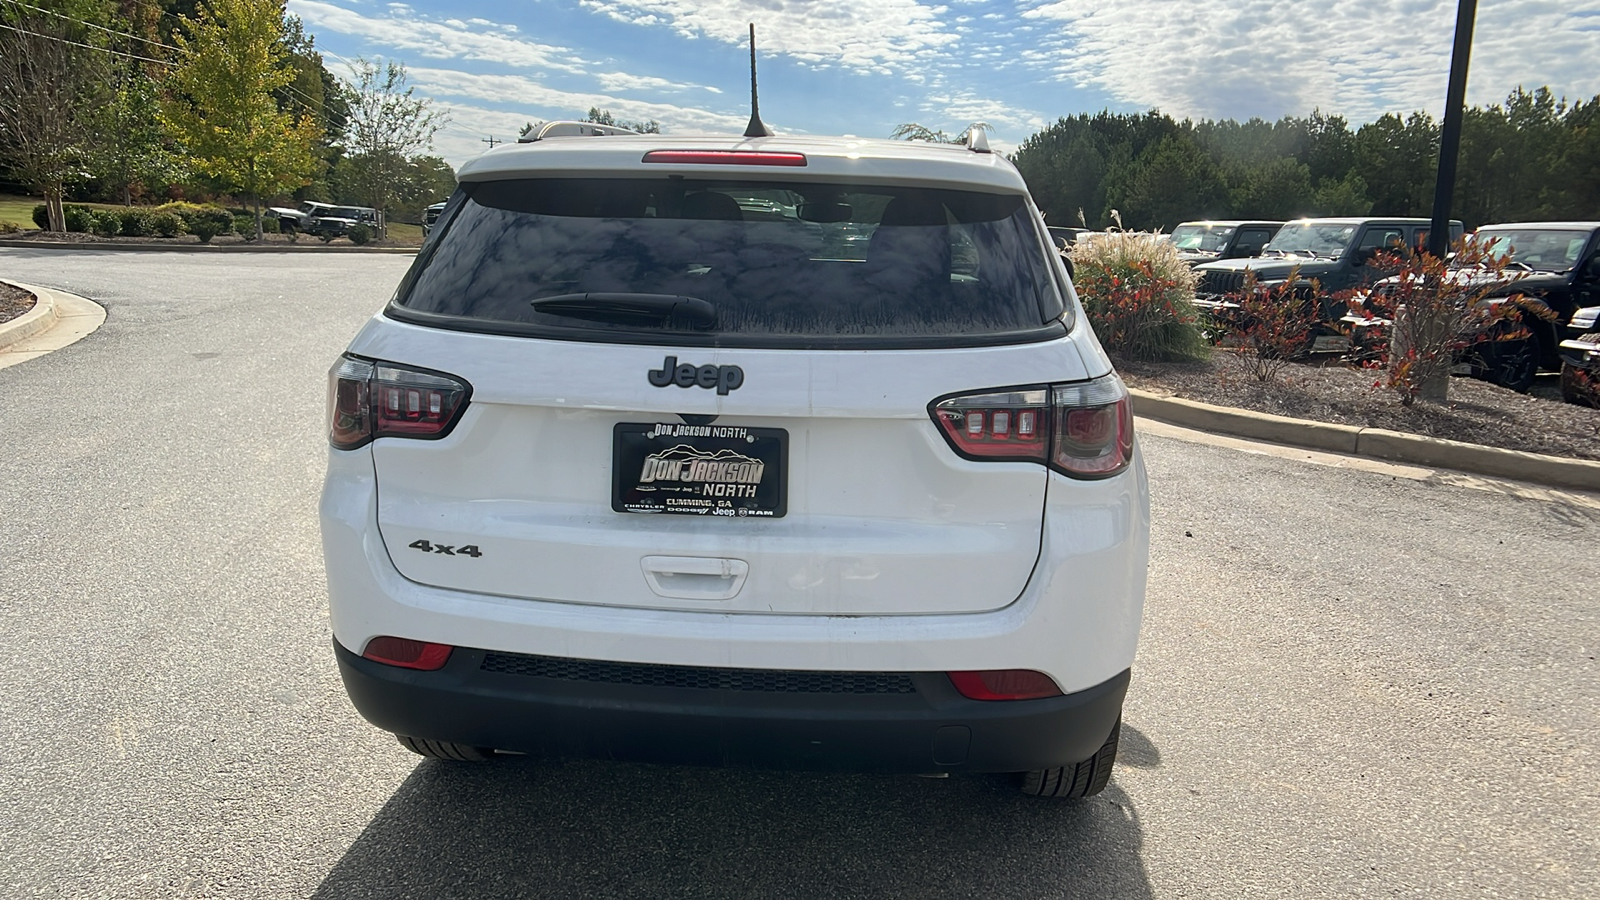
[[1437, 313], [1139, 296]]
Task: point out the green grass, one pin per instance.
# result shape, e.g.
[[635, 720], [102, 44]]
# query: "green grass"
[[17, 209], [402, 232], [14, 208]]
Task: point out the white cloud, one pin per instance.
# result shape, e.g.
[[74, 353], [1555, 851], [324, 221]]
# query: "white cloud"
[[621, 81], [1272, 58], [880, 36], [451, 39]]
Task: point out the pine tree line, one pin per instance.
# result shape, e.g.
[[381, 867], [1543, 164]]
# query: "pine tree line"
[[1533, 157]]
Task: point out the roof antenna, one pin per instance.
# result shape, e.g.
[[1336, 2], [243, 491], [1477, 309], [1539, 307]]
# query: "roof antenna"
[[756, 128]]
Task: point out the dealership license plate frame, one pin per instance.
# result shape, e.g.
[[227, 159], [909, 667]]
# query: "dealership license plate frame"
[[729, 452]]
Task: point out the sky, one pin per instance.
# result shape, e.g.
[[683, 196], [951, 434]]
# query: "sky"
[[861, 67]]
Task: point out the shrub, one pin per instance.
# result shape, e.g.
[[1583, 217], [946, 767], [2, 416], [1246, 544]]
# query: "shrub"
[[107, 223], [269, 224], [9, 228], [208, 222], [137, 223], [1437, 312], [360, 234], [182, 208], [1139, 296], [41, 217], [1270, 325], [79, 218], [245, 225], [166, 223]]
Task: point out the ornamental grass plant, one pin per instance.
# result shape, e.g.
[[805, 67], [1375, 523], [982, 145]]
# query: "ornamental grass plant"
[[1139, 296]]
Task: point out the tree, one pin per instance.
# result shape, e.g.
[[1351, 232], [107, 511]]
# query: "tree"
[[228, 63], [603, 117], [136, 153], [387, 125], [1274, 189], [52, 81], [911, 131], [314, 91], [1397, 158], [1170, 181]]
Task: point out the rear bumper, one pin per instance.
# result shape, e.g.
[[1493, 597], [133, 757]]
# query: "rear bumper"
[[928, 727]]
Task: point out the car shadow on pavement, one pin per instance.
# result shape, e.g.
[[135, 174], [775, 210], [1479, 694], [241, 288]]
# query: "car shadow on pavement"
[[540, 828]]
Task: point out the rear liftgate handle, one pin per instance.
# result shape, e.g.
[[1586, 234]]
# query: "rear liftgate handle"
[[694, 577]]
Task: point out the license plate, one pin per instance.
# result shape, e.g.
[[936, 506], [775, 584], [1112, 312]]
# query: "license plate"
[[699, 470]]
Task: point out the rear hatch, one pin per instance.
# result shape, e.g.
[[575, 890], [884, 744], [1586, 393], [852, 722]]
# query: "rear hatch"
[[711, 393]]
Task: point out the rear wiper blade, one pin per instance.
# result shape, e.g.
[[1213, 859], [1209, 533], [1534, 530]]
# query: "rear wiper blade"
[[630, 308]]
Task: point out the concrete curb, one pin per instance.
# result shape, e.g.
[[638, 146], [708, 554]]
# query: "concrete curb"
[[74, 318], [196, 248], [1374, 443], [35, 321]]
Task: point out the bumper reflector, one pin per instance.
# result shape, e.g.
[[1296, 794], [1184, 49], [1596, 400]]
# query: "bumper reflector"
[[1004, 684], [407, 654]]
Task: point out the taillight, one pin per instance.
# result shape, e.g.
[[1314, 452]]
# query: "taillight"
[[368, 400], [1004, 684], [1084, 429], [1005, 425], [407, 654], [1093, 435]]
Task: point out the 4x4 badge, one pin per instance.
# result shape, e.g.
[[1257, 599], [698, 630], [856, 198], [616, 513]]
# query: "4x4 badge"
[[723, 378]]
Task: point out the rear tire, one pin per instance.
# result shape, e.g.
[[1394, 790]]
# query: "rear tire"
[[1084, 779], [445, 750], [1516, 364]]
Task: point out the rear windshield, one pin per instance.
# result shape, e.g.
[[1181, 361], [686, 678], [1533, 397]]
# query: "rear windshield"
[[761, 260]]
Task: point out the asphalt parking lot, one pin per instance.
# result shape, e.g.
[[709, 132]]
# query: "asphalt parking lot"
[[1352, 681]]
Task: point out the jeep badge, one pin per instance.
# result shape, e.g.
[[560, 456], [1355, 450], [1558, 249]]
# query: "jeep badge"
[[723, 378]]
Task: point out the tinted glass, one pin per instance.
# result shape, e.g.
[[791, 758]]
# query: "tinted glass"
[[772, 259], [1319, 239], [1208, 238], [1540, 249]]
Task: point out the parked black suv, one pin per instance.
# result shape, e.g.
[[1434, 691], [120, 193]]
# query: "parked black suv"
[[1554, 267], [1558, 265], [1202, 242], [1334, 255], [1333, 252]]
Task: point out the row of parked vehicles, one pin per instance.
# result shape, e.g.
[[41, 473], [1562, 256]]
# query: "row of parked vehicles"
[[324, 220], [1553, 267]]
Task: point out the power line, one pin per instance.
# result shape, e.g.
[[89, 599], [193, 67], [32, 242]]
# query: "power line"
[[61, 40], [90, 24]]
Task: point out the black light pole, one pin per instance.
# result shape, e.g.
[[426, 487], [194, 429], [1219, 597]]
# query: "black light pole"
[[1450, 132]]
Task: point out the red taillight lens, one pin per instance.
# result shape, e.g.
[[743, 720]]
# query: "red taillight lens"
[[1009, 425], [1094, 428], [407, 654], [369, 400], [725, 158], [1004, 684], [1084, 429]]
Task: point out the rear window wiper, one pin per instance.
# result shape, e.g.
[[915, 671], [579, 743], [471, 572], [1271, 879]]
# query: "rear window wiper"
[[629, 308]]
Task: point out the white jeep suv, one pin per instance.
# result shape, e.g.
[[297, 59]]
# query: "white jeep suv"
[[780, 451]]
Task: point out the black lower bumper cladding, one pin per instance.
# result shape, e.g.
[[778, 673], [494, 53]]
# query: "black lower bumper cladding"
[[860, 721]]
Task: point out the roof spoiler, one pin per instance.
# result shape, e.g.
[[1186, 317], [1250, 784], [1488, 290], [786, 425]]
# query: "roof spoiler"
[[571, 129]]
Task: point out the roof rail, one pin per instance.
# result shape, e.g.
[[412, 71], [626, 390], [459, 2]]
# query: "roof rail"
[[571, 129]]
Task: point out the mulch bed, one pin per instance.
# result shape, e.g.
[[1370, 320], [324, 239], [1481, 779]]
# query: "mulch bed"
[[1478, 412], [13, 302]]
